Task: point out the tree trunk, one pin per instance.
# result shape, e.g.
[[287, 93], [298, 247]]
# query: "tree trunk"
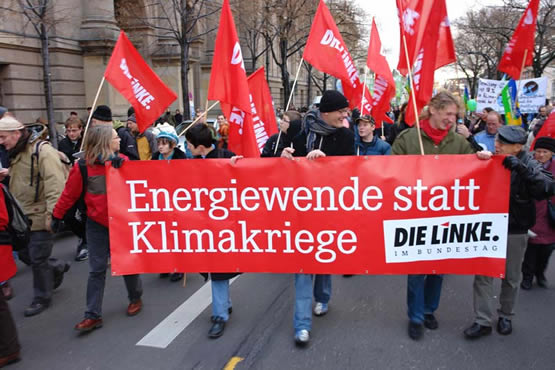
[[309, 89], [284, 71], [48, 86], [184, 71]]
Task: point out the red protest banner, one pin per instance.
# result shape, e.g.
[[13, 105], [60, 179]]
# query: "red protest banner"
[[339, 215], [262, 108], [132, 77]]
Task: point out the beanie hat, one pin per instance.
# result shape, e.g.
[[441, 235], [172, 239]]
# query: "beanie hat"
[[167, 131], [132, 118], [10, 124], [2, 111], [103, 113], [332, 101], [545, 142]]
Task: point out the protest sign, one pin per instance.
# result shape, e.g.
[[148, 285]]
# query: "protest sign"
[[531, 94], [340, 215]]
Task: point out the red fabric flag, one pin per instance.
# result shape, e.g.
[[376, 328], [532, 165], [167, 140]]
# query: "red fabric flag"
[[547, 129], [446, 46], [228, 85], [354, 95], [523, 39], [424, 67], [262, 108], [413, 18], [327, 52], [136, 81], [384, 84]]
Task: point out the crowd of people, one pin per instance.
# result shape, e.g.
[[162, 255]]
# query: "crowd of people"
[[66, 189]]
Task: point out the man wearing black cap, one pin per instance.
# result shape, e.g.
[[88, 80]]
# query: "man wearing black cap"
[[528, 182], [322, 134], [102, 116]]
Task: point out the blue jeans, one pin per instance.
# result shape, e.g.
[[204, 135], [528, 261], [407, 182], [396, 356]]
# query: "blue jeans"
[[221, 302], [99, 249], [303, 298], [423, 293]]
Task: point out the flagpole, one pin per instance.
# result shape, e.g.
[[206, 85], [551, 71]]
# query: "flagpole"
[[520, 79], [198, 118], [294, 85], [364, 89], [91, 113], [413, 94]]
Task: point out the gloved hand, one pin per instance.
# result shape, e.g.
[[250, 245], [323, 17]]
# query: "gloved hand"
[[512, 163], [55, 225], [117, 161]]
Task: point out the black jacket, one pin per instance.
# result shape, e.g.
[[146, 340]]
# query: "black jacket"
[[528, 183], [341, 142], [128, 144], [69, 148], [177, 154]]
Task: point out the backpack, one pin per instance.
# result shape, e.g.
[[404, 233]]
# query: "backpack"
[[19, 226], [66, 165]]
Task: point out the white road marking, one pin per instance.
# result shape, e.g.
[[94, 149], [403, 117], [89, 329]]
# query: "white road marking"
[[165, 332]]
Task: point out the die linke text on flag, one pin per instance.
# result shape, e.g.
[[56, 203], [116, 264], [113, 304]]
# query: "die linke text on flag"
[[424, 66], [136, 81], [521, 43], [327, 52], [262, 108], [384, 84], [229, 86]]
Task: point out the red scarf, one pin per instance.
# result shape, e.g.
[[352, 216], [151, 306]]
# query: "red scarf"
[[436, 135]]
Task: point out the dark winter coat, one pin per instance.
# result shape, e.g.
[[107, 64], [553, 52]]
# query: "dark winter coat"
[[376, 147], [128, 144], [69, 148]]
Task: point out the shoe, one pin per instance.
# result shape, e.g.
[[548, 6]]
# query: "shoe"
[[35, 308], [134, 307], [59, 275], [302, 337], [526, 284], [9, 359], [416, 330], [82, 255], [430, 321], [320, 309], [477, 331], [7, 291], [504, 326], [176, 276], [217, 329], [542, 281], [88, 325], [347, 276]]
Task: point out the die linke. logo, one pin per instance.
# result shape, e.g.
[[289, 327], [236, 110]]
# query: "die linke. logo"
[[438, 238]]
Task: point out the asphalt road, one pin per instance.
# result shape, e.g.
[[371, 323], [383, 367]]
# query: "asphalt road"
[[366, 327]]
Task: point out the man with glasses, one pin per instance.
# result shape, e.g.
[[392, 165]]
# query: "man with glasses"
[[528, 183], [322, 134]]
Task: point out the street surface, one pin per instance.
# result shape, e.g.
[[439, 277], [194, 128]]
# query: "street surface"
[[366, 327]]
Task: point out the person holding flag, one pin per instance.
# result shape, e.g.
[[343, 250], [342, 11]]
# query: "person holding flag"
[[322, 134]]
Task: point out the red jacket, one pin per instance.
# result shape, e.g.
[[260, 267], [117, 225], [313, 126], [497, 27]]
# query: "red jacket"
[[95, 198], [7, 263]]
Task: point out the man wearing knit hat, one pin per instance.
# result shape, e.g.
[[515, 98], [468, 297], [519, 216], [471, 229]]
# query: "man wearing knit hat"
[[37, 185], [529, 182], [102, 116], [322, 134]]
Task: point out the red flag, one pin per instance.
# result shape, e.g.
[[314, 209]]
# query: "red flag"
[[523, 39], [262, 108], [132, 77], [547, 129], [326, 50], [446, 46], [424, 67], [228, 85], [413, 18], [354, 95], [384, 84]]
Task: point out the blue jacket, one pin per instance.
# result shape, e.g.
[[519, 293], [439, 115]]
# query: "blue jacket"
[[376, 147], [483, 138]]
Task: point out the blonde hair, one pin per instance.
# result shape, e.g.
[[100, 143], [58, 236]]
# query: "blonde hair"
[[441, 100], [98, 144]]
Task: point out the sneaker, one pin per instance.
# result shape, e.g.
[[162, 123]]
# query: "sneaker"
[[302, 337], [320, 309], [82, 255]]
